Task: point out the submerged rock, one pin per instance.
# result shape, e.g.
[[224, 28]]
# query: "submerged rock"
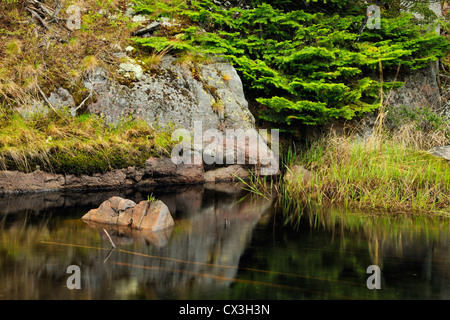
[[123, 235], [296, 174], [123, 212]]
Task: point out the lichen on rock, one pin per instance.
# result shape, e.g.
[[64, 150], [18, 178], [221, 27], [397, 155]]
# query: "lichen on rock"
[[172, 95]]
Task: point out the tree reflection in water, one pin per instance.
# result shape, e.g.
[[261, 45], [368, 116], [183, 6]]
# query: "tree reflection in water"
[[219, 248]]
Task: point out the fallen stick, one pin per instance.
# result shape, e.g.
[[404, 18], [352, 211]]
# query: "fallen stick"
[[46, 99], [109, 254], [36, 16], [110, 240]]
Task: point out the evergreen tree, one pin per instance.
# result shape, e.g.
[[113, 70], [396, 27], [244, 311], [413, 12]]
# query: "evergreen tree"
[[304, 61]]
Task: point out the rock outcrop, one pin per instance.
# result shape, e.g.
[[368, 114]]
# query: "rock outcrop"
[[152, 216], [441, 152], [164, 171], [157, 172], [226, 174], [17, 182], [421, 89], [176, 94], [168, 94]]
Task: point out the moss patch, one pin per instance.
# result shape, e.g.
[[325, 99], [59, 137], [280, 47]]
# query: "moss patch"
[[80, 145]]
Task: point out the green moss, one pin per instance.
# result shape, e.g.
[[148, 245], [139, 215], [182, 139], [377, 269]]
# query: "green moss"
[[101, 161], [80, 145]]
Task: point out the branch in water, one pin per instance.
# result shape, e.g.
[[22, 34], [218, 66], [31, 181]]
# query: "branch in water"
[[110, 240]]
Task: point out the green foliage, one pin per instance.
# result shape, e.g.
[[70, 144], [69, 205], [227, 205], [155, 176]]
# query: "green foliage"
[[151, 198], [304, 63]]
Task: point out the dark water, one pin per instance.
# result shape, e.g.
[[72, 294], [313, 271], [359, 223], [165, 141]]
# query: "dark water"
[[224, 245]]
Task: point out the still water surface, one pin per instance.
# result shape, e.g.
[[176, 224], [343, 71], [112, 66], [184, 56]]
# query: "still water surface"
[[225, 244]]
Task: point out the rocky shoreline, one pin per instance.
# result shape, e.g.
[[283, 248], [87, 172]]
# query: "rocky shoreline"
[[157, 172]]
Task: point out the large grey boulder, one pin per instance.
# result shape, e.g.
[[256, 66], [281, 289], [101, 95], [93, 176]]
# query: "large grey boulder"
[[227, 174], [175, 94]]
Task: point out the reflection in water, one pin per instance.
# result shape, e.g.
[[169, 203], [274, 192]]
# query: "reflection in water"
[[200, 252], [413, 252], [225, 245]]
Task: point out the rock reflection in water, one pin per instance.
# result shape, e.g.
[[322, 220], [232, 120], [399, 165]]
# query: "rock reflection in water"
[[203, 249], [124, 236], [219, 248], [197, 256]]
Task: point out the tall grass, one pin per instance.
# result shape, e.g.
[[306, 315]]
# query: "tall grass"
[[77, 145], [383, 173], [262, 186]]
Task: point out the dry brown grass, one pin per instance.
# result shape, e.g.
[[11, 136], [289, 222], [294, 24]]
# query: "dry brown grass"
[[226, 77], [36, 58], [408, 136], [218, 107]]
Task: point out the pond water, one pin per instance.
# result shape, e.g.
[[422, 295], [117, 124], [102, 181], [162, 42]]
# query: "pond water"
[[226, 244]]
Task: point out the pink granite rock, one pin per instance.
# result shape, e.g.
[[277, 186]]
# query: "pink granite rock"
[[123, 212]]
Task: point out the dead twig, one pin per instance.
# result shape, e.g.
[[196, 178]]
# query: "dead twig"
[[45, 98], [35, 15], [87, 98], [84, 101], [109, 254], [110, 240]]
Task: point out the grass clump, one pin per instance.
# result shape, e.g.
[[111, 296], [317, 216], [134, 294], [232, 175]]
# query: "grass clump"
[[151, 198], [77, 145], [386, 173]]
